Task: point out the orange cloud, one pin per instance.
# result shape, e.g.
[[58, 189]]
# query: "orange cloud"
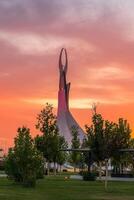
[[99, 41]]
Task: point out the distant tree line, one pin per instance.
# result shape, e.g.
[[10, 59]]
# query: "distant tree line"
[[30, 158]]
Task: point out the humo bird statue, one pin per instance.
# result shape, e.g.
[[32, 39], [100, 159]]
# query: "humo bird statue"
[[65, 119]]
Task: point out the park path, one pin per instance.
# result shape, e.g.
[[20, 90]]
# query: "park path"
[[117, 179], [3, 175]]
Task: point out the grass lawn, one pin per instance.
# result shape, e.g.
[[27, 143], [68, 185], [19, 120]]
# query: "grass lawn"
[[56, 188]]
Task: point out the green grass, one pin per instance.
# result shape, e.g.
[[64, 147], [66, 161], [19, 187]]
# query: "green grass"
[[59, 189]]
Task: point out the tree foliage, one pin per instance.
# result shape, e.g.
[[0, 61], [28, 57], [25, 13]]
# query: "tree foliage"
[[106, 138], [62, 155], [121, 140], [47, 121], [24, 163], [50, 142], [75, 156]]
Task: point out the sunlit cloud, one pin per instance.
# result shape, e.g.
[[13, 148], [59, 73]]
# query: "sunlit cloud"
[[4, 74], [78, 103], [113, 71], [31, 44], [99, 38]]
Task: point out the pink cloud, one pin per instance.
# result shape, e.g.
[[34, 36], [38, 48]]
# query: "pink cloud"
[[98, 36]]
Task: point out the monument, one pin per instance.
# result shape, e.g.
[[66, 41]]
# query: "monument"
[[65, 119]]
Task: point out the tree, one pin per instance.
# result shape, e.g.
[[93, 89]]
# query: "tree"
[[130, 155], [47, 121], [106, 139], [95, 139], [11, 167], [109, 129], [122, 134], [47, 124], [117, 136], [62, 155], [49, 146], [75, 156], [50, 141], [122, 137], [24, 163]]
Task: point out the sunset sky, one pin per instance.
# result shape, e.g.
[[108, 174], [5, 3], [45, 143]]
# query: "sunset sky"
[[99, 38]]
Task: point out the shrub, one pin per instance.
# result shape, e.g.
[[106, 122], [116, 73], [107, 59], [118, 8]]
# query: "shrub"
[[64, 170], [88, 176], [2, 167], [128, 175]]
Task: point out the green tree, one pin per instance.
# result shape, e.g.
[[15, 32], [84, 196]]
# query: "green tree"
[[11, 167], [106, 139], [50, 141], [95, 139], [24, 163], [130, 155], [75, 156], [122, 137], [49, 146], [62, 155], [109, 148], [47, 121]]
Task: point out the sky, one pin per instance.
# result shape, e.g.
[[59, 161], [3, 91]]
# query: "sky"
[[99, 38]]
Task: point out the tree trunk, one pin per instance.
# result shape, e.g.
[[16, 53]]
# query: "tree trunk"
[[60, 168], [48, 168], [122, 167], [106, 177], [45, 166], [57, 168], [89, 168], [89, 162], [99, 170], [54, 168], [74, 169]]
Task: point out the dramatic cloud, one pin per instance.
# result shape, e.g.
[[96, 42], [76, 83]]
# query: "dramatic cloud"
[[99, 37]]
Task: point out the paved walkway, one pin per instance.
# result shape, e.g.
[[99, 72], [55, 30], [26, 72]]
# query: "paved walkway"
[[3, 175], [117, 179], [78, 177]]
